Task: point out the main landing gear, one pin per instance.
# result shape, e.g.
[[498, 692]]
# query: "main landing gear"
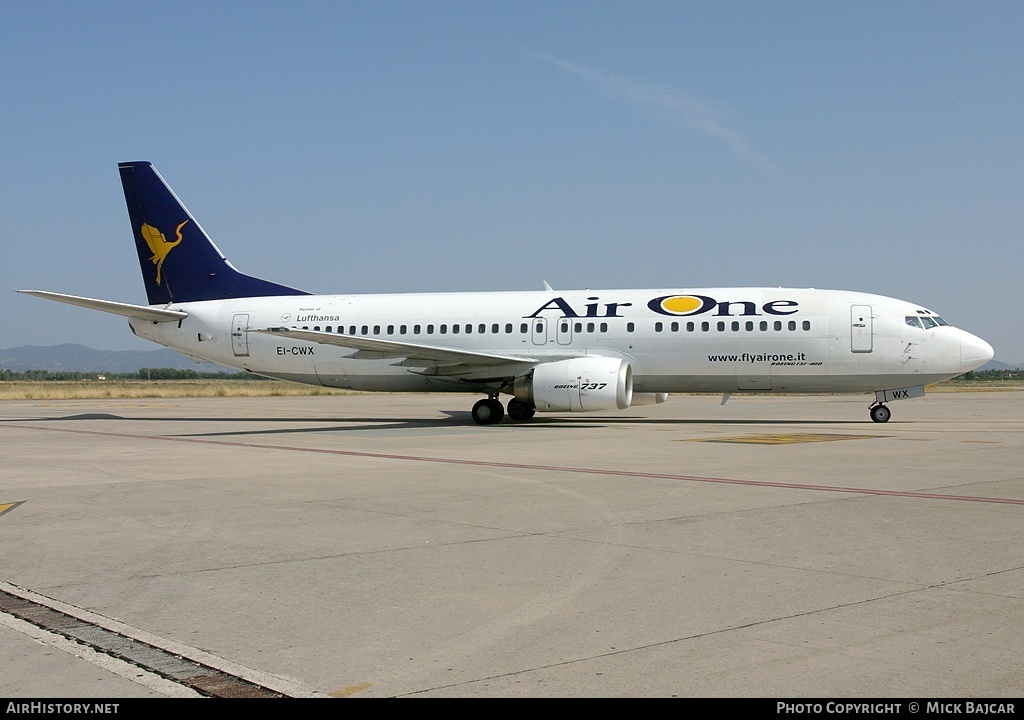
[[519, 410], [489, 411], [879, 413]]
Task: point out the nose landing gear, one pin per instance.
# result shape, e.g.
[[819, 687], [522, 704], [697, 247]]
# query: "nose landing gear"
[[879, 413]]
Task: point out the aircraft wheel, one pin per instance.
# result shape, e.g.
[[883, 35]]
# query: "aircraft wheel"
[[880, 414], [488, 412], [519, 410]]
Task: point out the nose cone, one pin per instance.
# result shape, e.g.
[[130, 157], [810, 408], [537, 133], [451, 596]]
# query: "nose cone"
[[974, 352]]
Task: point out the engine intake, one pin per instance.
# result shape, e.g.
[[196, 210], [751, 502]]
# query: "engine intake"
[[584, 384]]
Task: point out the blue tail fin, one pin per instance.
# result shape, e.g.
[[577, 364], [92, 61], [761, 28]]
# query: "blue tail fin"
[[179, 261]]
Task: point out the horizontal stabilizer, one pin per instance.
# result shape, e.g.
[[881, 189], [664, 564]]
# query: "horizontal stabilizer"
[[140, 312]]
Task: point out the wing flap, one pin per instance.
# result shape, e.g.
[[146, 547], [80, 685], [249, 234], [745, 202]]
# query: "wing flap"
[[413, 354]]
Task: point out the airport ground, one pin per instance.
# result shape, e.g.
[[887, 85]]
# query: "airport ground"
[[384, 545]]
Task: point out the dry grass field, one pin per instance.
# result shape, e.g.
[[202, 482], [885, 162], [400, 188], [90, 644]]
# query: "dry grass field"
[[93, 389]]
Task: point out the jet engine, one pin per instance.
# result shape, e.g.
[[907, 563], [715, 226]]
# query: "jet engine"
[[583, 384]]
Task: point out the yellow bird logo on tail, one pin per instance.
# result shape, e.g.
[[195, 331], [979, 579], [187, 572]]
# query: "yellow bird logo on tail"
[[159, 245]]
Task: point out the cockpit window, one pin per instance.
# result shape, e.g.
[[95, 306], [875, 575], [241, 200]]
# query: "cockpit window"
[[930, 319], [913, 322]]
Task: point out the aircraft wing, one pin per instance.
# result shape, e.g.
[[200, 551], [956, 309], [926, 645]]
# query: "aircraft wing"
[[140, 312], [414, 354]]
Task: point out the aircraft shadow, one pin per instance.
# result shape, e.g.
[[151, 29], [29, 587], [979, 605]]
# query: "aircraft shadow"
[[453, 419]]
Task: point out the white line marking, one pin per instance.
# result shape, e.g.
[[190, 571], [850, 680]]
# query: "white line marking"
[[271, 682]]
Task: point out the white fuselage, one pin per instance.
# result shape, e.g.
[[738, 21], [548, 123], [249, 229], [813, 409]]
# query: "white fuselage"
[[711, 340]]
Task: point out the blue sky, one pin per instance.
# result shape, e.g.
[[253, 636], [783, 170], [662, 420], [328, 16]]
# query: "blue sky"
[[395, 146]]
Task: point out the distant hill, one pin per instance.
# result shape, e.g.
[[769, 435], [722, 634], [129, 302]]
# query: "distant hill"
[[79, 358], [996, 365]]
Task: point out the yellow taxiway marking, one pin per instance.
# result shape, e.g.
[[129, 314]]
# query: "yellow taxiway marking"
[[786, 438], [4, 507], [350, 690]]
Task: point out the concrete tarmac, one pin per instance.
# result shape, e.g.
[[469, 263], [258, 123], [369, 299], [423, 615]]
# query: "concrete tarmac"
[[384, 545]]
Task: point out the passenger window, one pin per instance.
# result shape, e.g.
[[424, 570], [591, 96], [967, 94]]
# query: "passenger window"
[[630, 327], [430, 329], [455, 328], [721, 326], [590, 327], [494, 328], [402, 329], [604, 327], [415, 329], [735, 325], [763, 325], [443, 329], [792, 324], [778, 325], [317, 328], [705, 326], [524, 328], [508, 327], [365, 329], [391, 329], [657, 327], [689, 327], [807, 325], [675, 327]]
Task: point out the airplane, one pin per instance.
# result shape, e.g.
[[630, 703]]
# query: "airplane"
[[551, 351]]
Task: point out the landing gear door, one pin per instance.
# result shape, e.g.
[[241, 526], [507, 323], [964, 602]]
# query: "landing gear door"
[[861, 329], [240, 335]]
